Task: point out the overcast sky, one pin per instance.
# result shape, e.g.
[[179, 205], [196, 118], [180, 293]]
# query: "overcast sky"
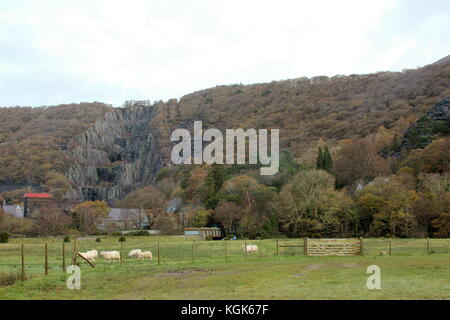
[[56, 51]]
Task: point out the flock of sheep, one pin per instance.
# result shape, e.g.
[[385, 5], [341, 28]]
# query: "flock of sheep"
[[92, 255]]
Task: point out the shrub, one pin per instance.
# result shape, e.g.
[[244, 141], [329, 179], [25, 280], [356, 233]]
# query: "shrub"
[[4, 237], [8, 279], [66, 238], [138, 233], [116, 233], [122, 239], [98, 239]]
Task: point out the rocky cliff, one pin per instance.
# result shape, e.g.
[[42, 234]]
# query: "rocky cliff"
[[435, 121], [116, 155]]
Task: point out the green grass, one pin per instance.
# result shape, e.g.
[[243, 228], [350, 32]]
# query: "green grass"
[[407, 274]]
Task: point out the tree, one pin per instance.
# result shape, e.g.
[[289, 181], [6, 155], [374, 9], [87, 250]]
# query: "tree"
[[14, 225], [213, 182], [2, 216], [167, 224], [359, 162], [442, 226], [327, 161], [227, 214], [149, 198], [389, 203], [50, 221], [199, 217], [87, 215], [309, 206], [56, 184], [319, 159]]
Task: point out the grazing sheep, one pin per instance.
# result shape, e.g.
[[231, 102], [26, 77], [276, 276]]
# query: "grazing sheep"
[[88, 255], [111, 255], [251, 248], [145, 255], [134, 253], [94, 254]]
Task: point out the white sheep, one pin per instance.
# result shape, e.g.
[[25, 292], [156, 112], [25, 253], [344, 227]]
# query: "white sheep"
[[111, 255], [94, 254], [134, 253], [250, 248], [145, 255], [88, 255]]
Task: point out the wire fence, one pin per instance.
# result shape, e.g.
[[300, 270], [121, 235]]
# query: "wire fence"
[[181, 250]]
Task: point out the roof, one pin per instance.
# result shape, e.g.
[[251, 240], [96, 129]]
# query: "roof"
[[122, 214], [38, 195]]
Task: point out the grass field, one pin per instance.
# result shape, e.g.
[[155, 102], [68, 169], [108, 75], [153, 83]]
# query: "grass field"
[[219, 271]]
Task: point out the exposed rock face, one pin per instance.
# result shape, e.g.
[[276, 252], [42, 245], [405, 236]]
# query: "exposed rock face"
[[115, 156], [435, 121]]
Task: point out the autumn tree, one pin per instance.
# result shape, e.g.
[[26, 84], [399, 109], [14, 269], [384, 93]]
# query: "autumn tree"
[[149, 198], [56, 184], [87, 215], [310, 206], [389, 203], [228, 215], [51, 221], [359, 162]]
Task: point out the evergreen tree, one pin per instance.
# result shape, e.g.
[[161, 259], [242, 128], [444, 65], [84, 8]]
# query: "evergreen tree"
[[327, 161], [319, 160], [213, 183]]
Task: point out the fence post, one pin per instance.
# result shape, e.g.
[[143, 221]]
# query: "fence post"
[[64, 256], [46, 259], [23, 263], [226, 250], [428, 246], [159, 257], [121, 252], [390, 246], [74, 260], [305, 246], [361, 245], [277, 249], [245, 249]]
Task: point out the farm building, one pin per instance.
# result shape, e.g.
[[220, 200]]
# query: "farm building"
[[34, 201], [119, 218], [16, 211]]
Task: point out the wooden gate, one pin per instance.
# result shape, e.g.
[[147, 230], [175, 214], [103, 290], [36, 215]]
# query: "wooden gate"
[[333, 247]]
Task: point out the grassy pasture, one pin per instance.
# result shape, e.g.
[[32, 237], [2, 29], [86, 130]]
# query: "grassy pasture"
[[220, 270]]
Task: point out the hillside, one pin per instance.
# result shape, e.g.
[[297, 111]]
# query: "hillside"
[[32, 140], [308, 112]]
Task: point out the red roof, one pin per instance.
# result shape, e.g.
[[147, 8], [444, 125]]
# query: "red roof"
[[37, 195]]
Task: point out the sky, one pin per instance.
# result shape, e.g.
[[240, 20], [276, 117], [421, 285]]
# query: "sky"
[[61, 51]]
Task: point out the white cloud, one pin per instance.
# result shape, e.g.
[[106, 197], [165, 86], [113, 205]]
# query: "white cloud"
[[69, 51]]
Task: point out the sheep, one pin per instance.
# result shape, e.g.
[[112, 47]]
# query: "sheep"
[[94, 254], [134, 253], [88, 255], [250, 248], [111, 255], [145, 255]]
